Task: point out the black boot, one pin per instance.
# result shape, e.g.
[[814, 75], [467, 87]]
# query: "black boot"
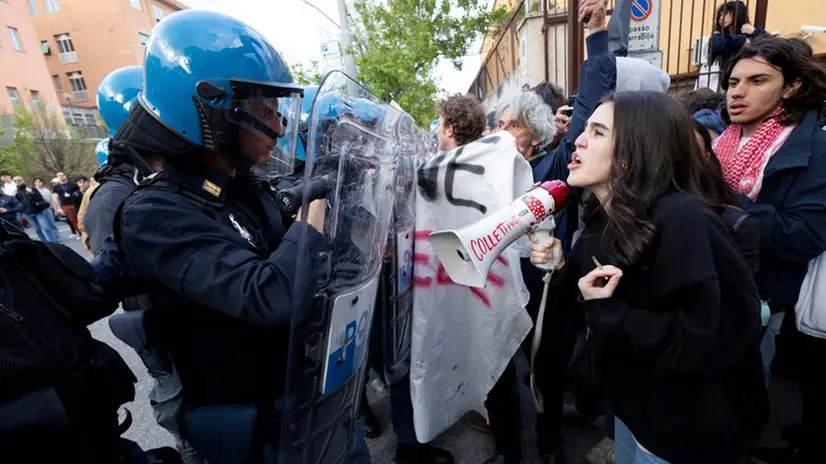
[[417, 453]]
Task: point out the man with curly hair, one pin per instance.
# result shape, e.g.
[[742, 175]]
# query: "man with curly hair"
[[461, 121]]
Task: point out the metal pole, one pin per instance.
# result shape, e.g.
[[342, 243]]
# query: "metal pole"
[[346, 40]]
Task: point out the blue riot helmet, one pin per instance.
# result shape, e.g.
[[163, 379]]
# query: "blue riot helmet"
[[116, 95], [366, 111], [303, 121], [102, 151], [216, 83], [331, 108]]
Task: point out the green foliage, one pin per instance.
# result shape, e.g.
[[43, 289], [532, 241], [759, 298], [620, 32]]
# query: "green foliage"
[[307, 75], [400, 42], [43, 145]]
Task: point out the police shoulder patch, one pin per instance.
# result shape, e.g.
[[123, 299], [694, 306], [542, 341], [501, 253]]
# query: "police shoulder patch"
[[211, 188]]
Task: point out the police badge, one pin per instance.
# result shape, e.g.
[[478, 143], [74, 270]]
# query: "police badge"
[[242, 231]]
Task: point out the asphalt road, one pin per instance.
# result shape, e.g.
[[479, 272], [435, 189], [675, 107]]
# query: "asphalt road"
[[467, 445]]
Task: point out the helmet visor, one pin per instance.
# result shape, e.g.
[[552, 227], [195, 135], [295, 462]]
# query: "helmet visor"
[[266, 133]]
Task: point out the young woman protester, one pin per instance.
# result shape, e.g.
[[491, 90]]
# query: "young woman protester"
[[671, 307]]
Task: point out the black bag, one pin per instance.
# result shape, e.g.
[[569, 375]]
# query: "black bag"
[[60, 389], [583, 367]]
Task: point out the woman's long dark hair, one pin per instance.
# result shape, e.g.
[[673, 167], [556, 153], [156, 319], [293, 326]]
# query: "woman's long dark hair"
[[715, 174], [655, 152], [740, 16]]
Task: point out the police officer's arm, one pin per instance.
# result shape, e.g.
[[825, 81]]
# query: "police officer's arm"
[[180, 248]]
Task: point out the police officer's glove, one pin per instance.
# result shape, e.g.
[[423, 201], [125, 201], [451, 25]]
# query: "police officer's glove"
[[289, 198]]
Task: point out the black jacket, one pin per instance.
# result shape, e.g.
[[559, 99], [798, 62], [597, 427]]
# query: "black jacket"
[[219, 267], [115, 185], [12, 207], [791, 212], [678, 342], [31, 201]]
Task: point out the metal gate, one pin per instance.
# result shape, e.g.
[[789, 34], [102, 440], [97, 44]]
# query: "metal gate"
[[685, 27]]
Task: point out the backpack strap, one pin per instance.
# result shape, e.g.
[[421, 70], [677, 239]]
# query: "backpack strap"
[[119, 179], [161, 182]]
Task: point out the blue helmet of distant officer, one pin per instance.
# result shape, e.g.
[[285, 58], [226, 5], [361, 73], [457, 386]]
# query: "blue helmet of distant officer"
[[115, 98]]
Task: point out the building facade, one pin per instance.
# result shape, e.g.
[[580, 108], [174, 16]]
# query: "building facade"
[[24, 76], [536, 45], [84, 40]]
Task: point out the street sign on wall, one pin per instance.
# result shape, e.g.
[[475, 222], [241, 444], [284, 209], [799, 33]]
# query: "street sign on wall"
[[645, 26], [331, 56]]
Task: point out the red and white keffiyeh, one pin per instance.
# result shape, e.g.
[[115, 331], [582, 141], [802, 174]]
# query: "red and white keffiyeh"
[[743, 166]]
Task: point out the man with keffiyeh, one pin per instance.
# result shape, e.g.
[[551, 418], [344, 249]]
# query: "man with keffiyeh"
[[773, 157]]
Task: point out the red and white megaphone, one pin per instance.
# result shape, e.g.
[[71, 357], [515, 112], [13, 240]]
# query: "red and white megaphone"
[[468, 253]]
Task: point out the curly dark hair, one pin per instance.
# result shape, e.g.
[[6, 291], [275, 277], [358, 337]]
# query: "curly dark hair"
[[465, 115], [551, 95], [704, 99], [655, 151], [793, 57]]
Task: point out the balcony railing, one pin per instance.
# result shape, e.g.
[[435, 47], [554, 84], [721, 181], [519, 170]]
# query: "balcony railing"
[[91, 132], [80, 95], [68, 57]]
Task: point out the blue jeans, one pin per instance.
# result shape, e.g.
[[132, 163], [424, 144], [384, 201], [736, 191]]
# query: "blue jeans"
[[44, 225], [767, 347], [627, 450]]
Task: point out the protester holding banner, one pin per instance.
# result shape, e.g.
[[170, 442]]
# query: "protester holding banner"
[[671, 308], [531, 122], [461, 121]]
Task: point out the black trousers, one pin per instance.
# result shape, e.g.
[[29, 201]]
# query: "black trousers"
[[503, 403]]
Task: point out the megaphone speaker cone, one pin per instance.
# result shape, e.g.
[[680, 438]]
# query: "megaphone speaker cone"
[[468, 253]]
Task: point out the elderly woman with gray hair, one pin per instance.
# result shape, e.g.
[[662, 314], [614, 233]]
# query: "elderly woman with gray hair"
[[531, 122]]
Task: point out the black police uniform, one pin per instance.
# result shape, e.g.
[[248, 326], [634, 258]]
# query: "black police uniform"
[[116, 183], [218, 263]]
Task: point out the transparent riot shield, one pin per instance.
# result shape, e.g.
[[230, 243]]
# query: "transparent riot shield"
[[352, 145], [394, 306]]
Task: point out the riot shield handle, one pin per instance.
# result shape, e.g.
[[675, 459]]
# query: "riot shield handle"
[[289, 197]]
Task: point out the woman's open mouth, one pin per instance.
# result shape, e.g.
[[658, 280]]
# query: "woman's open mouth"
[[575, 162]]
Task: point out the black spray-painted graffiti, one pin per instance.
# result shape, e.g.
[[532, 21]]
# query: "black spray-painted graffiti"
[[428, 179]]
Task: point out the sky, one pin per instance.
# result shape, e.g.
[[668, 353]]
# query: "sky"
[[297, 31]]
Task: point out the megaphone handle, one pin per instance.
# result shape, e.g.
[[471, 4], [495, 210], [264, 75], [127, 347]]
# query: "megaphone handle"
[[543, 235], [539, 402]]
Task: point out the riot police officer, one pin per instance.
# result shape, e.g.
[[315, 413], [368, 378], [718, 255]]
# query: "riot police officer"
[[120, 170], [204, 239], [131, 158]]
